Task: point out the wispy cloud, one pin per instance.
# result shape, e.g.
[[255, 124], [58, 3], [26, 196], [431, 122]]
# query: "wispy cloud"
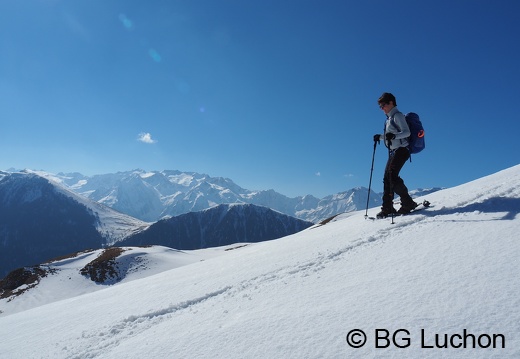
[[318, 174], [146, 137]]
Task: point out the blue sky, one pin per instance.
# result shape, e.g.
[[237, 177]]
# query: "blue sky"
[[277, 94]]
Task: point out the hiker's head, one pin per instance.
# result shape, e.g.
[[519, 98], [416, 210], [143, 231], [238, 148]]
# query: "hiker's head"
[[386, 99]]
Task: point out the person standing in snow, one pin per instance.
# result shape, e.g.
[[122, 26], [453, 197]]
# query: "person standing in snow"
[[395, 139]]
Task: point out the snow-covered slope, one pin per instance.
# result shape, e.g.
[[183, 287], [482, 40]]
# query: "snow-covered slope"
[[92, 270], [445, 275]]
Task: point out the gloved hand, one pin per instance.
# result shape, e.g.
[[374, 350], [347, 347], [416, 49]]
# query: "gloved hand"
[[390, 136], [377, 137]]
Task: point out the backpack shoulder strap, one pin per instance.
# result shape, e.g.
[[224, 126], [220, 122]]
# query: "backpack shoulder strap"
[[392, 121]]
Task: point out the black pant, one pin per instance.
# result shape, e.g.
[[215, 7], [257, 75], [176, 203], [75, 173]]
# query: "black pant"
[[391, 180]]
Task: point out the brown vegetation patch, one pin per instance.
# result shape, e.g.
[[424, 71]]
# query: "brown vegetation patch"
[[21, 280], [104, 268]]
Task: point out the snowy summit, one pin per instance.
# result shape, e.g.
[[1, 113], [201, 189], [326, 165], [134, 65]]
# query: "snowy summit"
[[439, 283]]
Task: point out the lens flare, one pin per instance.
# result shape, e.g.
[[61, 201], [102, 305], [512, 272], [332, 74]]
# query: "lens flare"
[[127, 23], [154, 55]]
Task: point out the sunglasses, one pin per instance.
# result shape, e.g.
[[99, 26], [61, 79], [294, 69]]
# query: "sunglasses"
[[382, 105]]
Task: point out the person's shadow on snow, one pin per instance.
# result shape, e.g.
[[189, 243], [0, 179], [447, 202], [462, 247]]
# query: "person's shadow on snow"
[[511, 207]]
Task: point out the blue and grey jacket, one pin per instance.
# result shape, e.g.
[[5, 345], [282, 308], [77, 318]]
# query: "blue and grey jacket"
[[396, 124]]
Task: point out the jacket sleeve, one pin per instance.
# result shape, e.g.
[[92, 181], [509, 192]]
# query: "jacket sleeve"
[[401, 127]]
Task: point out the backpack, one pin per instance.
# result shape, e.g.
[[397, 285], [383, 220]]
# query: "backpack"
[[416, 139]]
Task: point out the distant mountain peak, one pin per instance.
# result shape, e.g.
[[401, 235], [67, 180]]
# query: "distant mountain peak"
[[40, 218], [217, 226]]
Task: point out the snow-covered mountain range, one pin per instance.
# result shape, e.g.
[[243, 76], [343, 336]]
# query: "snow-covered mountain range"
[[151, 196], [40, 218], [438, 283]]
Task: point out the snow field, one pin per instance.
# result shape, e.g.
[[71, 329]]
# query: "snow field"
[[445, 270]]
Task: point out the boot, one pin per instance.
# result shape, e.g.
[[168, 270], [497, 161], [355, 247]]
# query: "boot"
[[407, 208], [385, 212]]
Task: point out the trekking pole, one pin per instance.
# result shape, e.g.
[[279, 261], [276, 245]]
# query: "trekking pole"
[[370, 182]]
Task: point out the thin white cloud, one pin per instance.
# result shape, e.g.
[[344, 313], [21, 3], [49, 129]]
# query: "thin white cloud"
[[146, 137]]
